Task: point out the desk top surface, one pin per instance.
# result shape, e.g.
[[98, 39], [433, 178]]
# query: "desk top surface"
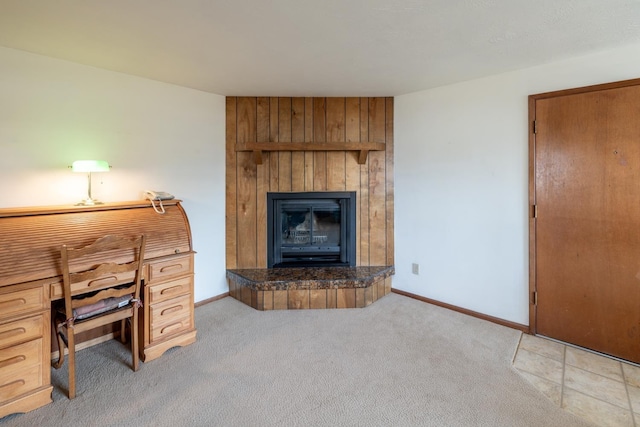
[[54, 209]]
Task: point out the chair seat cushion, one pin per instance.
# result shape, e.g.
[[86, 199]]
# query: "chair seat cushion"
[[101, 306]]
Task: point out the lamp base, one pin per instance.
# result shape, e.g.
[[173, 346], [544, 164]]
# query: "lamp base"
[[89, 202]]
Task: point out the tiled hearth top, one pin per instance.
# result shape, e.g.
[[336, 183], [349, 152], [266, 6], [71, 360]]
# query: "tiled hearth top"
[[276, 279]]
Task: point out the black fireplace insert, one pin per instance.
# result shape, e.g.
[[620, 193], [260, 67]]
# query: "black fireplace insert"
[[311, 229]]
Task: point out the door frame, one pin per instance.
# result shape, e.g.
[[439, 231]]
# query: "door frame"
[[532, 180]]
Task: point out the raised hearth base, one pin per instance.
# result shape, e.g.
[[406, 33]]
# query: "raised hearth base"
[[309, 287]]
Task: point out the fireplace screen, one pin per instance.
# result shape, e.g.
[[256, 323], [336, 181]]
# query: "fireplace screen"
[[311, 229]]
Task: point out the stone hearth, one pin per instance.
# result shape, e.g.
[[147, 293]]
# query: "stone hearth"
[[312, 287]]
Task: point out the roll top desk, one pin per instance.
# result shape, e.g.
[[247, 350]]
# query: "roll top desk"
[[30, 278]]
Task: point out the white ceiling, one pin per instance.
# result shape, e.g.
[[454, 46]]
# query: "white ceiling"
[[316, 47]]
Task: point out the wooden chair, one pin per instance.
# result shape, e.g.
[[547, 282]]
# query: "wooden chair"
[[101, 285]]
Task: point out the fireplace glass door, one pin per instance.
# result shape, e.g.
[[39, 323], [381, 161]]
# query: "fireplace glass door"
[[310, 231]]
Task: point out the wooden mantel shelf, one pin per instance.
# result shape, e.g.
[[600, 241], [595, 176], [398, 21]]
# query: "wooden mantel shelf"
[[362, 147]]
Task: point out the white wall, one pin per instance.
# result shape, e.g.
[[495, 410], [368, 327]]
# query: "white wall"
[[154, 135], [461, 164], [461, 183]]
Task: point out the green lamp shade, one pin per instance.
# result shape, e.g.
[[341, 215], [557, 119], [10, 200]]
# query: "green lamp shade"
[[90, 166]]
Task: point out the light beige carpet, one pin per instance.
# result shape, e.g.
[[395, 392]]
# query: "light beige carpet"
[[398, 362]]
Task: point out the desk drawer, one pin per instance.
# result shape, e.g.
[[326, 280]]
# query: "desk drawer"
[[22, 330], [169, 268], [22, 301], [20, 369], [168, 290], [170, 317]]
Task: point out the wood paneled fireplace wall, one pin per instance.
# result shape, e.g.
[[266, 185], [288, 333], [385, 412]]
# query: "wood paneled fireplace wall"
[[258, 130]]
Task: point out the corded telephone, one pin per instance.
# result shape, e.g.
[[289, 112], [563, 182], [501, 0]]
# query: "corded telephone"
[[158, 196]]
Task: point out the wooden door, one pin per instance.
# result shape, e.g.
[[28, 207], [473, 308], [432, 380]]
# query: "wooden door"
[[586, 242]]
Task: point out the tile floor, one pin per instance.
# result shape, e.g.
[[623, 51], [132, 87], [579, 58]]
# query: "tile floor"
[[599, 389]]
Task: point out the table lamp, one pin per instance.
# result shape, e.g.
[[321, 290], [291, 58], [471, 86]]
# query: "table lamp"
[[89, 166]]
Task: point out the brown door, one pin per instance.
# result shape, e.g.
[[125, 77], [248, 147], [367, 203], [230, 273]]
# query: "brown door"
[[587, 227]]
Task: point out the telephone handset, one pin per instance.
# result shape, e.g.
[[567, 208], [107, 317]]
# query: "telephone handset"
[[158, 196]]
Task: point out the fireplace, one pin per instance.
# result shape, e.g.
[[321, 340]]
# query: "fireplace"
[[311, 229]]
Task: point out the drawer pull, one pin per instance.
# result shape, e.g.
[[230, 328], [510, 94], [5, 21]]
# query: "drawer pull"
[[101, 281], [12, 333], [171, 268], [13, 302], [14, 384], [170, 310], [12, 361], [171, 290], [171, 328]]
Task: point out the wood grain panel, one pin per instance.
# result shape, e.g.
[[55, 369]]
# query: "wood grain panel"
[[262, 187], [335, 114], [231, 224], [246, 211], [365, 233], [335, 131], [308, 137], [262, 181], [360, 300], [377, 184], [346, 297], [298, 299], [260, 300], [267, 299], [387, 285], [245, 295], [273, 137], [284, 135], [352, 120], [332, 298], [263, 124], [313, 120], [233, 286], [368, 296], [297, 134], [389, 176], [318, 298], [320, 171], [280, 300], [319, 135], [246, 119], [246, 185]]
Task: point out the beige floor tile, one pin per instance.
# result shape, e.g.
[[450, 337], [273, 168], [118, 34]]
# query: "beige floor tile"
[[597, 386], [634, 397], [550, 389], [543, 346], [594, 363], [594, 410], [538, 365], [631, 375], [594, 386]]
